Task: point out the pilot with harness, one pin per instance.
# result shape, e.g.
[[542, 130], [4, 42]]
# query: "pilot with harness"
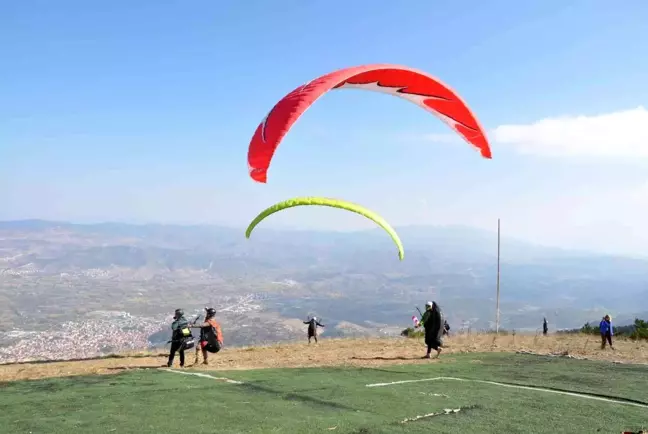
[[181, 337], [313, 323], [211, 336]]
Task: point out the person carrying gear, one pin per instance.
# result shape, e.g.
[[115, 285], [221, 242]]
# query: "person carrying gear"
[[312, 328], [606, 331], [211, 336], [433, 322], [179, 336]]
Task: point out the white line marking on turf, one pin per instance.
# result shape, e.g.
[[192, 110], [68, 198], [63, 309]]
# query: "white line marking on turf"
[[441, 395], [445, 411], [198, 374], [513, 386]]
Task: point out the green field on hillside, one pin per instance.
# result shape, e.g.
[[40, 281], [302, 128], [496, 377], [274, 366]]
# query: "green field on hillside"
[[337, 400]]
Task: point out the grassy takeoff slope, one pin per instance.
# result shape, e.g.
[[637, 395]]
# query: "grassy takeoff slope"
[[337, 400]]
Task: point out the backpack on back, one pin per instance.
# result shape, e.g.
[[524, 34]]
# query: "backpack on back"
[[210, 339]]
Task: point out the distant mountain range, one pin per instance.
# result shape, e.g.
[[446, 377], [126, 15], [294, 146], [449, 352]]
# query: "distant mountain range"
[[345, 277]]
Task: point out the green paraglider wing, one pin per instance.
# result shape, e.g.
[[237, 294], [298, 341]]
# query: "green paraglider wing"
[[334, 203]]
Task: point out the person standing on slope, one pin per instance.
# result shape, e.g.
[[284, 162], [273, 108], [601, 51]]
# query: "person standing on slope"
[[545, 326], [180, 331], [211, 336], [312, 328], [606, 331], [432, 322]]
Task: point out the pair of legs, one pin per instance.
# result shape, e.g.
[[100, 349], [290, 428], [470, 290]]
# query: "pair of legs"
[[312, 336], [204, 354], [176, 346], [606, 338], [206, 349], [432, 344]]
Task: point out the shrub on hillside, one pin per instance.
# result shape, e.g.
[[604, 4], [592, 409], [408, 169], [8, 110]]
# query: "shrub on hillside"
[[411, 332], [640, 330]]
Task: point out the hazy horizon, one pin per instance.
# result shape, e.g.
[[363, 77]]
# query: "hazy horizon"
[[370, 227]]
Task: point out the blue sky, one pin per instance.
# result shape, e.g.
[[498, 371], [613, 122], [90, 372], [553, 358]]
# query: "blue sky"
[[143, 111]]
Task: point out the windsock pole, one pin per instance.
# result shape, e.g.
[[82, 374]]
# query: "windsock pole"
[[497, 308]]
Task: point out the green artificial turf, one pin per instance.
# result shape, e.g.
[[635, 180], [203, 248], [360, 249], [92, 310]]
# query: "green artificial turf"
[[337, 400]]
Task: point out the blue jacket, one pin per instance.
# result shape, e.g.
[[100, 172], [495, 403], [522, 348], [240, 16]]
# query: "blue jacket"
[[606, 327]]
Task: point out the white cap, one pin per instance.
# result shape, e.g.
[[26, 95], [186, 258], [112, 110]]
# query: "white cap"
[[314, 318], [429, 303]]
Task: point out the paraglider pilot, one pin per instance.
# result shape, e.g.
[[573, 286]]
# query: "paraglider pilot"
[[545, 327], [433, 322], [312, 328], [211, 336], [446, 328], [180, 332]]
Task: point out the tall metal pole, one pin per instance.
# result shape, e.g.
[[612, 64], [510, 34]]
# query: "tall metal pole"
[[497, 315]]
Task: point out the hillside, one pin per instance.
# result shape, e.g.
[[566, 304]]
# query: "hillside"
[[113, 286]]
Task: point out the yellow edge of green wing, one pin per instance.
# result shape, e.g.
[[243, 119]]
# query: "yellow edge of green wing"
[[334, 203]]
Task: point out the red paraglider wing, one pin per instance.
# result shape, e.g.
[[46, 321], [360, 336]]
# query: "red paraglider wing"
[[415, 86]]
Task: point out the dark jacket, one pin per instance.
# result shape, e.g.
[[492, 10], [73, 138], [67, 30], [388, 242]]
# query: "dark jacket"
[[177, 326], [312, 326], [433, 322]]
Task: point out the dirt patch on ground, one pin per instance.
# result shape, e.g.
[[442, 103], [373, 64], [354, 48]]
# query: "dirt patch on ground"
[[343, 352]]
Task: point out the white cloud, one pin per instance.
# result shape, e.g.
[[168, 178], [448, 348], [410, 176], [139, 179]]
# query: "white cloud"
[[617, 134]]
